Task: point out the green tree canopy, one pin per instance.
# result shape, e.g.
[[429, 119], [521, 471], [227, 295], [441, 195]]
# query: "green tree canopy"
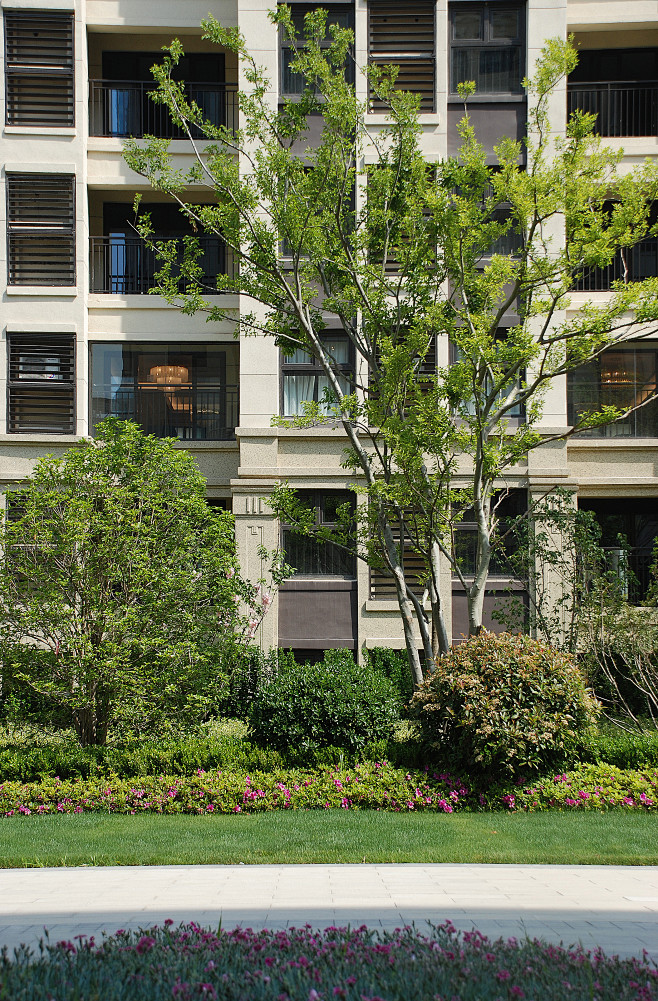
[[120, 594], [362, 230]]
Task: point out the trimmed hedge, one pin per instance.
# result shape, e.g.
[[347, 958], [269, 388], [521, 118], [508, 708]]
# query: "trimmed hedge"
[[374, 786], [302, 964], [332, 703], [503, 706]]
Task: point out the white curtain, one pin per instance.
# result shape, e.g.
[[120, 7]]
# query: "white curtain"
[[297, 389]]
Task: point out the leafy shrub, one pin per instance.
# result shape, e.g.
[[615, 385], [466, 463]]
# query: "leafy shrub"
[[613, 745], [393, 664], [357, 964], [333, 703], [501, 706]]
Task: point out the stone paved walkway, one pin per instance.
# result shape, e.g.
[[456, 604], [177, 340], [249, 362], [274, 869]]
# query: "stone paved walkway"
[[615, 907]]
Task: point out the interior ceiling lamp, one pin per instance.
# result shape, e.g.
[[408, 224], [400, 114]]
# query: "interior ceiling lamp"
[[169, 375], [615, 372]]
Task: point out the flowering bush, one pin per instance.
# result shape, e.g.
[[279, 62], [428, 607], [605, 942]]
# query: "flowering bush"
[[502, 706], [333, 703], [300, 964], [374, 786]]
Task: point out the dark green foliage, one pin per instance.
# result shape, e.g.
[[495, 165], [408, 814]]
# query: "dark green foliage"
[[335, 703], [504, 706], [394, 665], [624, 748], [158, 963]]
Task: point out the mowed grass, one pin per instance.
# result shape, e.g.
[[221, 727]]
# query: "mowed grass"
[[330, 836]]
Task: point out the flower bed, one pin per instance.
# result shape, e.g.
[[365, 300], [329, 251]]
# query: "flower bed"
[[305, 965], [376, 786]]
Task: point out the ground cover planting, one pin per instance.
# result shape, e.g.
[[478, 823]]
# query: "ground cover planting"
[[188, 962], [369, 785]]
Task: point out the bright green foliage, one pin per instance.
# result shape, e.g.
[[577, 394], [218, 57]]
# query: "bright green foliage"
[[334, 703], [119, 586], [394, 255], [364, 786], [504, 706]]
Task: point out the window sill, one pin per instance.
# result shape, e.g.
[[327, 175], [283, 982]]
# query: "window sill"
[[625, 441], [488, 99], [40, 130], [378, 118], [66, 291]]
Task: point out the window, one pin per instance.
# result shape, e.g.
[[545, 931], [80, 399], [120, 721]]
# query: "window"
[[510, 505], [314, 557], [185, 391], [403, 35], [517, 411], [629, 532], [41, 229], [41, 383], [414, 565], [305, 382], [624, 378], [487, 45], [293, 83], [39, 68]]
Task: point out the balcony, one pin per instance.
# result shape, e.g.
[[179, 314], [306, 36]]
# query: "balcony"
[[640, 261], [173, 390], [123, 108], [622, 108], [124, 265]]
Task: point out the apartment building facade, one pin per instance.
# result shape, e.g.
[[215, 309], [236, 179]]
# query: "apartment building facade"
[[84, 339]]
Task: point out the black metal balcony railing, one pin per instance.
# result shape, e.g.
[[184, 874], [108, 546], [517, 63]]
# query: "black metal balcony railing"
[[123, 265], [641, 261], [641, 423], [123, 108], [622, 108], [208, 413]]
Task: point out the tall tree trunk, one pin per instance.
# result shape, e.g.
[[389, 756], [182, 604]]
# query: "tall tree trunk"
[[475, 594], [440, 638]]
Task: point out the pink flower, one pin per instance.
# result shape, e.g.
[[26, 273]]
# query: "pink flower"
[[145, 944]]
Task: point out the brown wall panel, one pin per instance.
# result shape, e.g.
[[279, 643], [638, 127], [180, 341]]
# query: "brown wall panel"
[[491, 120], [317, 614]]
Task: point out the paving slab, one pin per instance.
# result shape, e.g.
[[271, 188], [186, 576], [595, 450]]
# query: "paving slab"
[[614, 907]]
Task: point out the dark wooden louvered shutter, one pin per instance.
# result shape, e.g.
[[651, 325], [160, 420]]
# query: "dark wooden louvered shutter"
[[382, 584], [42, 383], [39, 66], [403, 35], [41, 229]]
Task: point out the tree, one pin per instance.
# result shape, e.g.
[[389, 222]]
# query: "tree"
[[120, 594], [397, 253]]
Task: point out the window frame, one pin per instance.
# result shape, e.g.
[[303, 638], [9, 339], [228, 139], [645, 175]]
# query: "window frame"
[[314, 370], [57, 342], [406, 59], [515, 418], [286, 45], [606, 432], [38, 230], [318, 499], [487, 8], [514, 496], [34, 71]]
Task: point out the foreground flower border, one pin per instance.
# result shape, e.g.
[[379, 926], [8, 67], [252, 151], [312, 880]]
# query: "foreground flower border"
[[373, 786], [300, 964]]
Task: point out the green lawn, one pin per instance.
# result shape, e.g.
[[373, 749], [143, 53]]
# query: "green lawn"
[[331, 836]]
